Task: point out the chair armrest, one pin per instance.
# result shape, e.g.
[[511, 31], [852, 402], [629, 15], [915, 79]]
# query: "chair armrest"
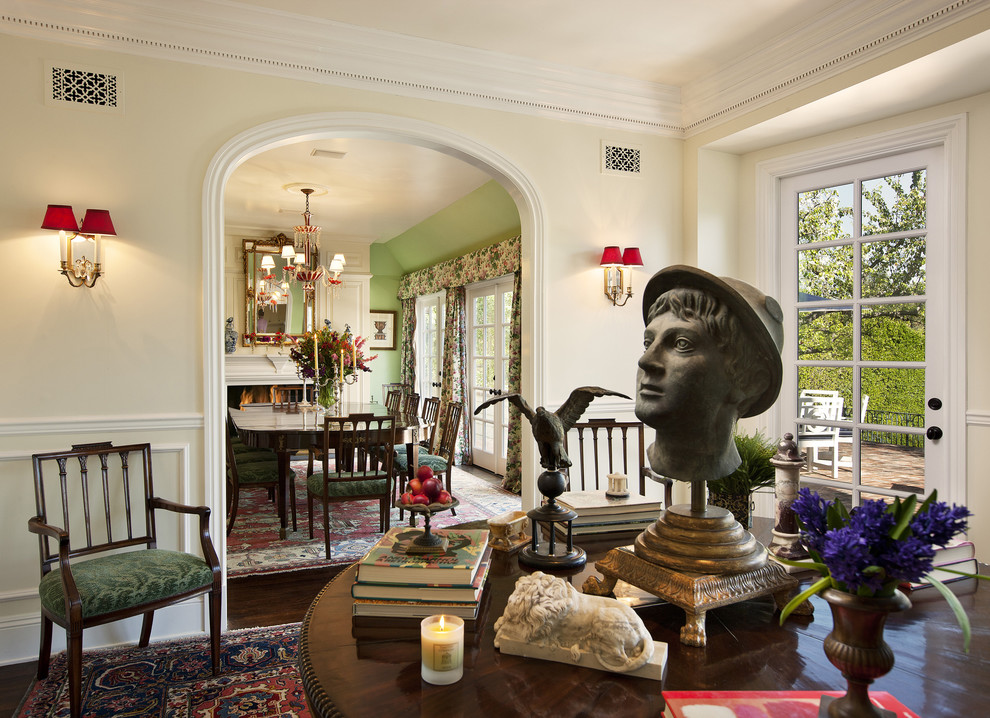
[[668, 484], [73, 602], [209, 552]]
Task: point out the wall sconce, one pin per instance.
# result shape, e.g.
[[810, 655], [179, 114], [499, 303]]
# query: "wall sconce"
[[615, 263], [77, 268]]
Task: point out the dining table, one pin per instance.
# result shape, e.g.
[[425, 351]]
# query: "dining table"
[[264, 426]]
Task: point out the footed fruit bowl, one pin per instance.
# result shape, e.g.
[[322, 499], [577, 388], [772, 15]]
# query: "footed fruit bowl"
[[427, 542]]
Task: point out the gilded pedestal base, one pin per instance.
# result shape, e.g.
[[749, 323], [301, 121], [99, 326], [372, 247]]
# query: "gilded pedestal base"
[[697, 562]]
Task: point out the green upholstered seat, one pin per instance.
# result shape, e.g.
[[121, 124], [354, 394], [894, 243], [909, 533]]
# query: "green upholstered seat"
[[437, 463], [339, 486], [262, 472], [254, 456], [111, 583]]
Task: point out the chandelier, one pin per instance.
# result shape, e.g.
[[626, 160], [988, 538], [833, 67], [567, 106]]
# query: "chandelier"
[[302, 257]]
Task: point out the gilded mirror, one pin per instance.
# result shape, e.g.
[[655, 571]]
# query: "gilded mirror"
[[272, 306]]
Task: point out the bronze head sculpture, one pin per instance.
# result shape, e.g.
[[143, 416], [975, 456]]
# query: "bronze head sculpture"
[[711, 357]]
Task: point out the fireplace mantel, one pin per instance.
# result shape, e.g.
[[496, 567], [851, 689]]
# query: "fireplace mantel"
[[247, 369]]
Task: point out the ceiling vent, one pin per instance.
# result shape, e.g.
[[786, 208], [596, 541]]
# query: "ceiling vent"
[[84, 88], [621, 160]]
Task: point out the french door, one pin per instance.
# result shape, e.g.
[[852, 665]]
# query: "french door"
[[489, 331], [864, 287], [429, 343]]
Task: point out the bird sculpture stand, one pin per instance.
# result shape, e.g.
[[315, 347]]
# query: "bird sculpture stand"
[[552, 484], [549, 429]]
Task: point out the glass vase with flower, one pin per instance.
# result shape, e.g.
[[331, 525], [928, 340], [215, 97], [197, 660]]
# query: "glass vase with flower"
[[864, 556], [330, 359]]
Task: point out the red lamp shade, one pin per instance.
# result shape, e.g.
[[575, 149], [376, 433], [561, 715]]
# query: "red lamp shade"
[[59, 217], [611, 257], [631, 257], [97, 221]]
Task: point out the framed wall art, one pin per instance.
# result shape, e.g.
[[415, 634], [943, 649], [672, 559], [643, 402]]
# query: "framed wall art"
[[382, 330]]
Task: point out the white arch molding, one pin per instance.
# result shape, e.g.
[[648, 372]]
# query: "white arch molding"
[[368, 126]]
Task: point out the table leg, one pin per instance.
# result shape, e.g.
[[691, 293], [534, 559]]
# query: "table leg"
[[283, 492]]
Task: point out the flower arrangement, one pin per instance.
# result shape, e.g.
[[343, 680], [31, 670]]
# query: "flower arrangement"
[[874, 548], [339, 356]]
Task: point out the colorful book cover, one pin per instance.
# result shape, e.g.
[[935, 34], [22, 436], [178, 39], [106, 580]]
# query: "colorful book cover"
[[762, 704], [426, 591], [387, 562]]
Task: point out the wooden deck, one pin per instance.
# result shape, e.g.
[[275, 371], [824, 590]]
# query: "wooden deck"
[[883, 466]]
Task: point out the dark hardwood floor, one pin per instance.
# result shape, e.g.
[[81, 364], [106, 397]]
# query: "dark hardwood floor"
[[252, 601]]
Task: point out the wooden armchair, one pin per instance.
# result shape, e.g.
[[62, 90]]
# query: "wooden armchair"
[[362, 470], [108, 517], [595, 448]]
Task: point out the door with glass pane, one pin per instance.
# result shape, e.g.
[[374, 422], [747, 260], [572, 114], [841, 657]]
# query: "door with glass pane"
[[429, 343], [489, 331], [864, 296]]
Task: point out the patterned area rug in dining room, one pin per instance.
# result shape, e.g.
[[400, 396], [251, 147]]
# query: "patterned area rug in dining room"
[[253, 546], [259, 678]]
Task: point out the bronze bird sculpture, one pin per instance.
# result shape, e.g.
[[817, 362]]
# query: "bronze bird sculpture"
[[550, 427]]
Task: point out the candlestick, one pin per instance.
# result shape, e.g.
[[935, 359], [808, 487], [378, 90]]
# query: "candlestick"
[[442, 644], [316, 361]]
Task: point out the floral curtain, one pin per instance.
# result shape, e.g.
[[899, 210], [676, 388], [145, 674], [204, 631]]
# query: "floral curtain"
[[513, 460], [453, 382], [488, 263], [407, 354]]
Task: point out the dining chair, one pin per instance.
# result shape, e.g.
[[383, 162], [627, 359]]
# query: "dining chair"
[[258, 468], [410, 403], [431, 418], [442, 460], [104, 499], [360, 472], [394, 400], [394, 386], [596, 449]]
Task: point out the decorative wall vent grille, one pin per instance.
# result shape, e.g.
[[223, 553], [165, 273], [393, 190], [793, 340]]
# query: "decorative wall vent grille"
[[621, 160], [82, 87]]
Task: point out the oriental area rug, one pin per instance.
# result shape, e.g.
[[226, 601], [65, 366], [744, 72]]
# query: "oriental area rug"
[[253, 547], [259, 678]]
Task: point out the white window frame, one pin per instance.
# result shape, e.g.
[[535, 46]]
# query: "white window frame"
[[950, 134]]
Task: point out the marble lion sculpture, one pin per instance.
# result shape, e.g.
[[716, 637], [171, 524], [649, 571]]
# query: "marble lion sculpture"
[[547, 611]]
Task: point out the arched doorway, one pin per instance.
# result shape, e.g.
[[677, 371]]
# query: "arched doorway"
[[371, 126]]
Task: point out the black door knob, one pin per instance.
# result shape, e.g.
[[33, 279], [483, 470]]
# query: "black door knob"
[[934, 433], [935, 403]]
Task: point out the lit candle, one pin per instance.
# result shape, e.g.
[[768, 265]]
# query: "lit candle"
[[341, 375], [442, 643], [354, 355], [316, 363]]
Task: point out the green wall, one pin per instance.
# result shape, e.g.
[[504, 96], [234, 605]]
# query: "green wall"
[[482, 218]]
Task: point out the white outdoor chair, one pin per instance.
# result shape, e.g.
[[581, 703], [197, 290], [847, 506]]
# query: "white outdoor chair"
[[846, 435], [813, 404]]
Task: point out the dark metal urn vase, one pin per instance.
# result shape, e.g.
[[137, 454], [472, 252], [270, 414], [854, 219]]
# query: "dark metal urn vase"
[[856, 647]]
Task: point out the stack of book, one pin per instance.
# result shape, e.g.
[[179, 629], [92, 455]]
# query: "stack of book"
[[958, 556], [409, 587], [598, 513]]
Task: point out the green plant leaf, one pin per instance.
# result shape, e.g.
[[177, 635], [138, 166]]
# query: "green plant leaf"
[[957, 608], [807, 593], [904, 512], [815, 565]]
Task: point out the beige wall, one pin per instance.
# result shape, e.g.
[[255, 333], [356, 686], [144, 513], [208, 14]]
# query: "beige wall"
[[125, 361]]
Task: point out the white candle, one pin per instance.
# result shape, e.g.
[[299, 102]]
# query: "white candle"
[[316, 362], [442, 643]]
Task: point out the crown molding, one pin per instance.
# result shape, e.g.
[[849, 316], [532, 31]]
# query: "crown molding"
[[227, 34], [220, 33], [829, 44]]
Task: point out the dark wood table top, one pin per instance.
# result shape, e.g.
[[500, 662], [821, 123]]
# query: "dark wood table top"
[[353, 672]]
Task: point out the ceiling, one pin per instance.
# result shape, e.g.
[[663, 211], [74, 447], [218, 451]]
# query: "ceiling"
[[379, 189]]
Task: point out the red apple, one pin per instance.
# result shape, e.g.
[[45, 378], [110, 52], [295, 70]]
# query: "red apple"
[[420, 499], [415, 486], [406, 498], [424, 472], [432, 488], [444, 498]]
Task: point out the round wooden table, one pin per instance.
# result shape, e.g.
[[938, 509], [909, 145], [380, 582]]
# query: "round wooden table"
[[356, 671]]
